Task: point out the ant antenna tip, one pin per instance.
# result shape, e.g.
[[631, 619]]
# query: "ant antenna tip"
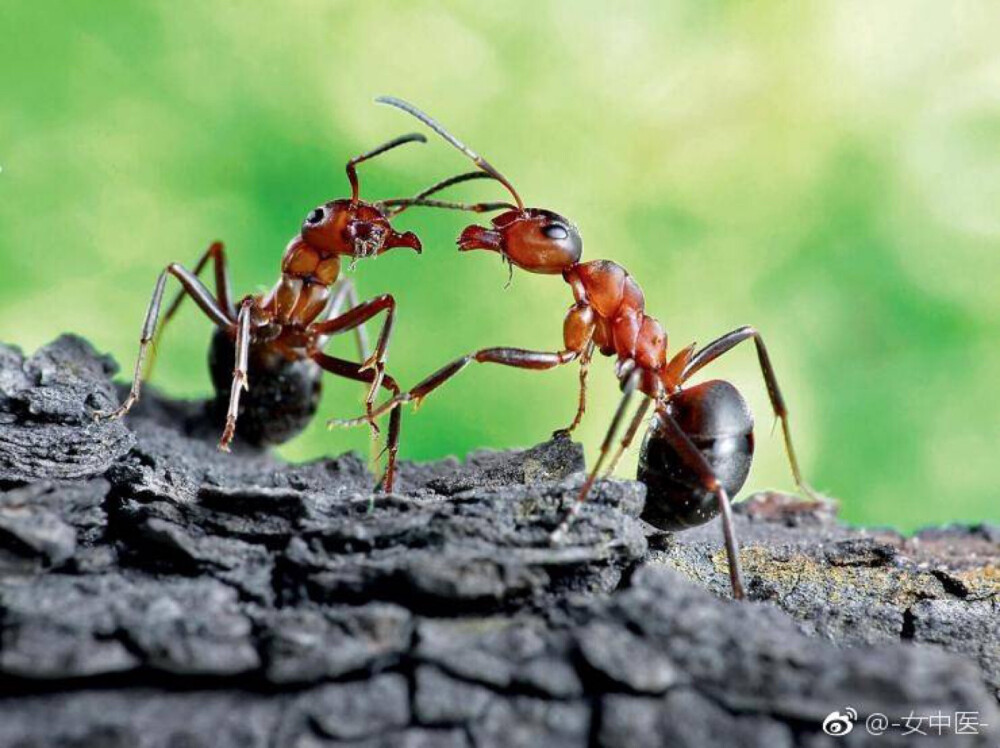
[[437, 127]]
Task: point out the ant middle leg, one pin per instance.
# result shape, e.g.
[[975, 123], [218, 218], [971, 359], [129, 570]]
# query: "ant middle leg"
[[628, 390], [729, 341], [207, 303], [633, 429], [353, 371]]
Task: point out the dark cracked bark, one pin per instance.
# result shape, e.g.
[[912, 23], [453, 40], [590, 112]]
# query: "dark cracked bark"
[[155, 592]]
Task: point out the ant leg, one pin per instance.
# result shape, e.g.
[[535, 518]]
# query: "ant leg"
[[351, 370], [345, 291], [202, 296], [223, 294], [376, 361], [240, 382], [626, 441], [627, 391], [578, 334], [695, 460], [725, 343], [223, 288], [516, 357], [581, 407]]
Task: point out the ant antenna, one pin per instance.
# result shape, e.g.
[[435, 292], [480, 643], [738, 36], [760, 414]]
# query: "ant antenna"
[[437, 127], [448, 205], [403, 203], [352, 172], [457, 179]]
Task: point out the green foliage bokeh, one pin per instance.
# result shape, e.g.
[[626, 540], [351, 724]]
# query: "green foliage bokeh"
[[829, 172]]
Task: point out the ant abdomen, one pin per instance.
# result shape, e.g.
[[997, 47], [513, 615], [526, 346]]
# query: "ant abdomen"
[[283, 397], [718, 421]]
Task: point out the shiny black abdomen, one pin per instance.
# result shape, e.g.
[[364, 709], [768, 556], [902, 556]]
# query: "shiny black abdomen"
[[718, 420], [283, 395]]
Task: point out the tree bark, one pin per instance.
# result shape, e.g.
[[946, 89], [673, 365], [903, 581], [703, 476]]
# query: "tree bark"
[[155, 592]]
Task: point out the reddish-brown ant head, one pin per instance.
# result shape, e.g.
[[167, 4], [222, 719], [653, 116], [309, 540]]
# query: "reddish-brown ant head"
[[354, 228], [534, 239]]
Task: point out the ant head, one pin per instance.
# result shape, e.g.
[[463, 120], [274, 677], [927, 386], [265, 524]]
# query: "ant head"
[[353, 228], [534, 239]]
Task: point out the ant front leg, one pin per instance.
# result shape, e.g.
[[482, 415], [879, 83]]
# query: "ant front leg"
[[581, 406], [351, 319], [578, 332], [516, 357], [240, 381], [729, 341], [202, 296], [578, 335], [353, 371]]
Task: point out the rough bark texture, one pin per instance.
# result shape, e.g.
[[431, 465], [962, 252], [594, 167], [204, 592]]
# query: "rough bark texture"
[[154, 592]]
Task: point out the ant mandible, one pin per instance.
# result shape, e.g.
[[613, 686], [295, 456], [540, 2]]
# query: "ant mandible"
[[275, 340], [699, 444]]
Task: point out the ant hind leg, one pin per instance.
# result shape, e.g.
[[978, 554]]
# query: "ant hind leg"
[[193, 287], [726, 343], [223, 287], [695, 460]]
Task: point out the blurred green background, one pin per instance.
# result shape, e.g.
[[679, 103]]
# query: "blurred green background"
[[829, 172]]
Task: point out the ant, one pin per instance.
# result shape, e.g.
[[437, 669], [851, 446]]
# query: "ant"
[[276, 339], [699, 444]]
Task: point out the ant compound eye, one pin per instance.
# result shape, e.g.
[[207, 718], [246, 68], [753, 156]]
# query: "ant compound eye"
[[316, 216], [555, 231]]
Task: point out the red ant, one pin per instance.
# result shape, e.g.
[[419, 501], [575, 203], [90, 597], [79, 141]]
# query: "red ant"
[[276, 339], [699, 444]]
